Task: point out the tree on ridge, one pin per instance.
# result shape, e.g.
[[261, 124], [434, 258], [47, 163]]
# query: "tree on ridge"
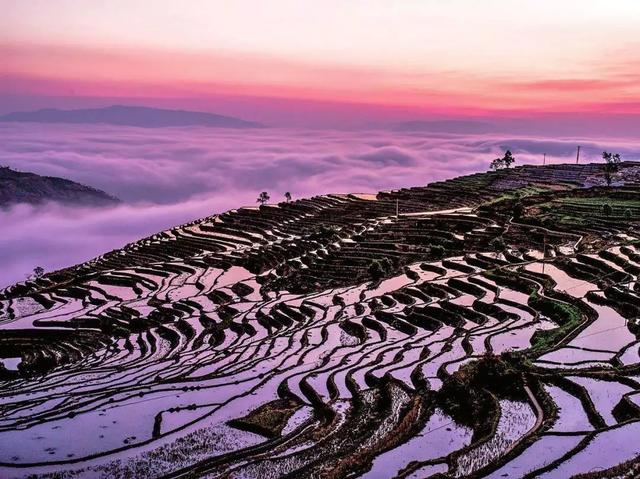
[[505, 162], [611, 166], [263, 198], [38, 272]]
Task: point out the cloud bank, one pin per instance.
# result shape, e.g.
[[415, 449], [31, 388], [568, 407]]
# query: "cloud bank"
[[173, 175]]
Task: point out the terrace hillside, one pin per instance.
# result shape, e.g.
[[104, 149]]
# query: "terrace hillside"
[[483, 326]]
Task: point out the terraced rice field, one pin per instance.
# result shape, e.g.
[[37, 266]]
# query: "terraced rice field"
[[257, 343]]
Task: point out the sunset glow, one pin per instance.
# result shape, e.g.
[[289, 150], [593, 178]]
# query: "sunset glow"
[[530, 57], [344, 239]]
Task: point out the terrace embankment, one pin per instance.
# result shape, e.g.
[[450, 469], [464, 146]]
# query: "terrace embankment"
[[484, 326]]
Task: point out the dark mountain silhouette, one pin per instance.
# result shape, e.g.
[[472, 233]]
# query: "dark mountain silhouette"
[[22, 187], [130, 116]]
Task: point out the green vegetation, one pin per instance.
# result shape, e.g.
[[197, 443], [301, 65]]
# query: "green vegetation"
[[518, 210], [267, 420], [263, 198], [466, 394], [38, 272], [498, 244], [437, 251], [505, 162], [511, 279], [597, 201], [612, 165], [579, 212], [563, 314], [325, 233], [379, 268], [514, 195]]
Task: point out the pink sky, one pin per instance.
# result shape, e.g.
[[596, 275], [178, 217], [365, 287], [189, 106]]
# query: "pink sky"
[[415, 58]]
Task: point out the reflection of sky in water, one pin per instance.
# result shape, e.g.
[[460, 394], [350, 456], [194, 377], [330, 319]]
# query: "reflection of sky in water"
[[11, 363]]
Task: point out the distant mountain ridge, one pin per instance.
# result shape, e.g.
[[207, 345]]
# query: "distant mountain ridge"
[[22, 187], [124, 115]]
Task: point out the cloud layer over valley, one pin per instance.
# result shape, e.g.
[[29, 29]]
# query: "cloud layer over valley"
[[172, 175]]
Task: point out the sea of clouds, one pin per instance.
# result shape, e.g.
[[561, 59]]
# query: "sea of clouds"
[[167, 176]]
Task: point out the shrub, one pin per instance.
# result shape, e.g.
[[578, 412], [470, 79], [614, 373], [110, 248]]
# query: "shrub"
[[379, 268], [438, 251], [563, 314], [498, 244], [518, 209], [463, 394]]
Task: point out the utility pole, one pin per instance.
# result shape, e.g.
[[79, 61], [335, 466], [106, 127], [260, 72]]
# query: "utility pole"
[[397, 208], [544, 252], [578, 155], [544, 159]]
